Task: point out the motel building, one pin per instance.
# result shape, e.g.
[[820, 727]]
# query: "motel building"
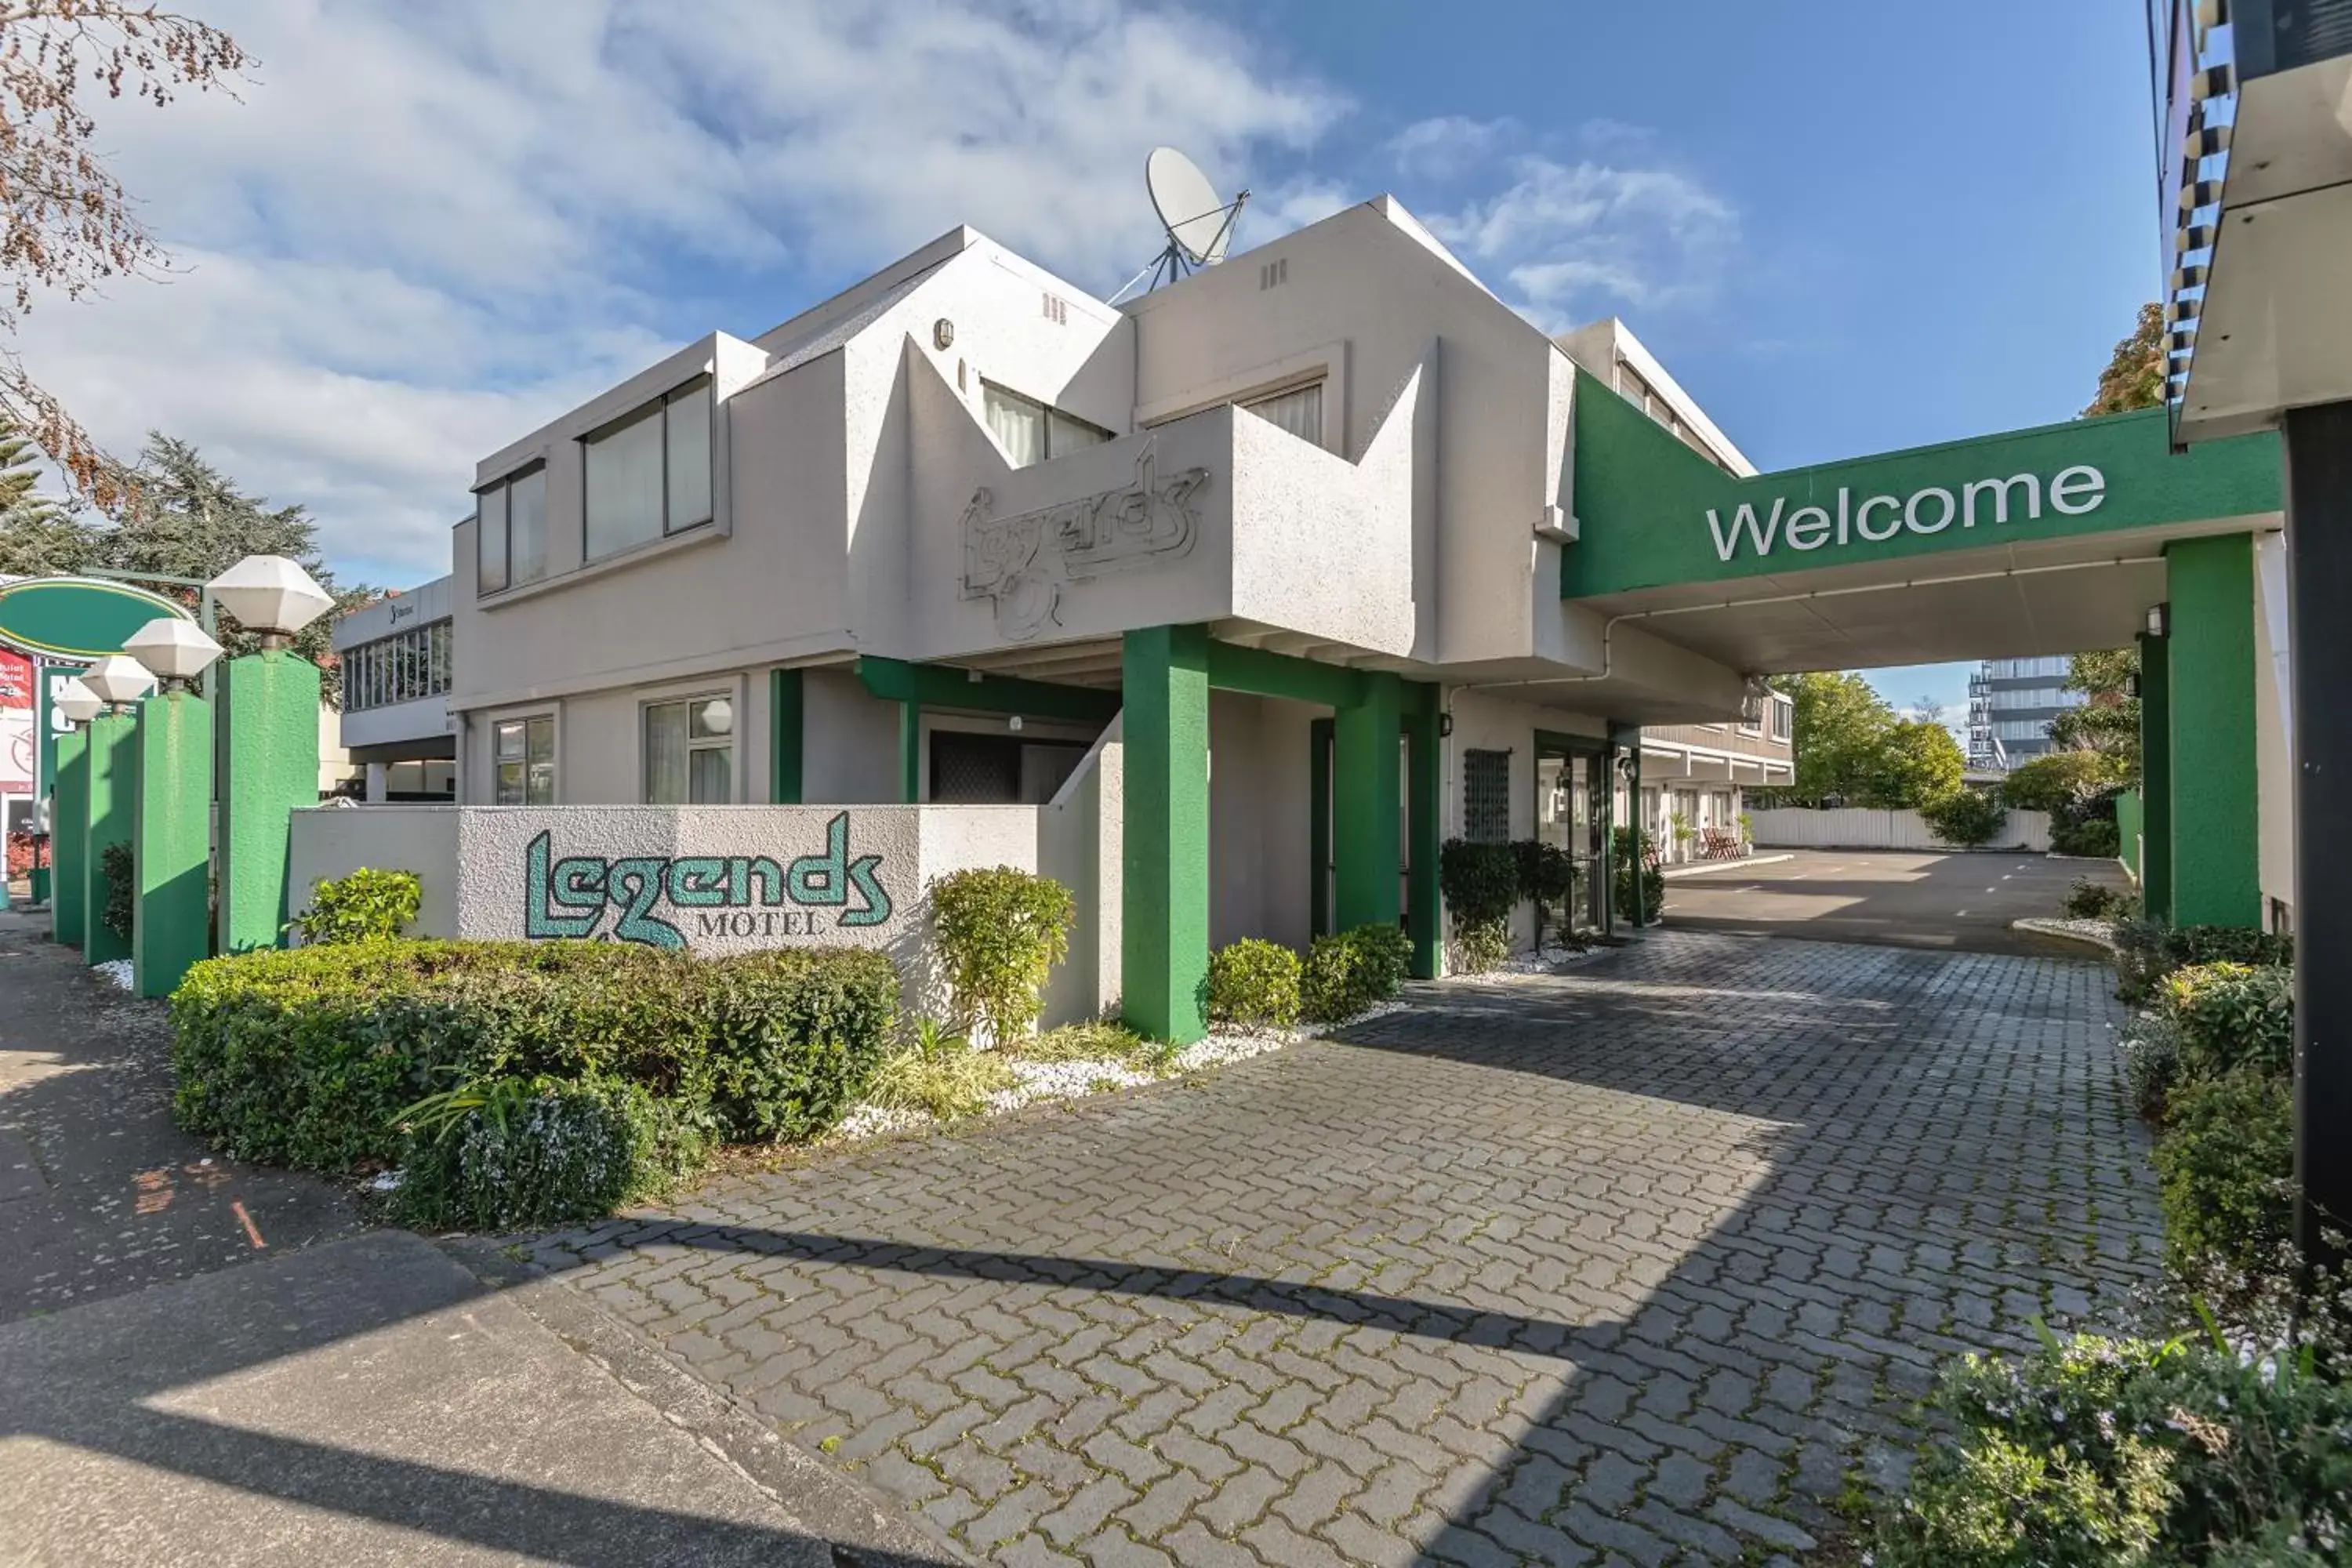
[[1228, 606]]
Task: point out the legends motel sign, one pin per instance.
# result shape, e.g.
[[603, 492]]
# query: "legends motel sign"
[[2072, 491]]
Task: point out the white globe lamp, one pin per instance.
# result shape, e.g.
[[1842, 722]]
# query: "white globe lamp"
[[77, 701], [173, 648], [271, 595], [118, 681]]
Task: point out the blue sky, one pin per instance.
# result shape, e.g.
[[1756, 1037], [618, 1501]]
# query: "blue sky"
[[1844, 227]]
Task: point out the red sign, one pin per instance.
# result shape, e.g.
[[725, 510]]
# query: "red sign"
[[16, 680]]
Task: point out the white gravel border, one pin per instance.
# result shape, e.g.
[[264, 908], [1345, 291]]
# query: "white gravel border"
[[118, 970], [2099, 933]]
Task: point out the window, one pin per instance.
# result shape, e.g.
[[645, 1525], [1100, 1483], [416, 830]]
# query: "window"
[[403, 667], [1030, 432], [510, 530], [1299, 410], [1486, 797], [691, 751], [523, 750], [649, 474]]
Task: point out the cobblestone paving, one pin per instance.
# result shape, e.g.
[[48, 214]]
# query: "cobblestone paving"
[[1641, 1263]]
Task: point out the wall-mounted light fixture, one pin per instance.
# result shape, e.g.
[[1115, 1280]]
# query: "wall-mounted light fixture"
[[2159, 620]]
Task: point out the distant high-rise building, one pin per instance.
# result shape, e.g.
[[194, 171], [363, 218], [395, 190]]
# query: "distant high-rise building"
[[2011, 704]]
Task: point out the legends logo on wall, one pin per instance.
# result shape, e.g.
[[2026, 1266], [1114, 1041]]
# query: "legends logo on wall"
[[704, 896]]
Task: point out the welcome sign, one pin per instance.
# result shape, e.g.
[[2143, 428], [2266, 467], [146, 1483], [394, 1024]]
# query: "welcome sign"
[[2072, 492]]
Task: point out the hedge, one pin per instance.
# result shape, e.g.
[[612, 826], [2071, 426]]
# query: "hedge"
[[1347, 973], [307, 1057]]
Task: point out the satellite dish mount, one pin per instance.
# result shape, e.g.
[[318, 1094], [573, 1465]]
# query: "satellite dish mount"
[[1198, 225]]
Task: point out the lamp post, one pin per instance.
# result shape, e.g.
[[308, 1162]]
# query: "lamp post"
[[118, 681], [269, 743], [69, 810], [170, 833]]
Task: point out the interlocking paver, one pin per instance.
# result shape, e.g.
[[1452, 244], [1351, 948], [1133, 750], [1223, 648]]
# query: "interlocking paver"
[[1634, 1263]]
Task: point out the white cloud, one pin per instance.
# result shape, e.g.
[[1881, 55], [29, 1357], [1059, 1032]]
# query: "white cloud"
[[1449, 146], [431, 226]]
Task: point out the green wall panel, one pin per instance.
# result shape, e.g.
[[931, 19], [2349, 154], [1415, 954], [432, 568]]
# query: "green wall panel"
[[172, 831], [113, 798], [1165, 850], [1365, 806], [2215, 828], [787, 730], [68, 821], [269, 759]]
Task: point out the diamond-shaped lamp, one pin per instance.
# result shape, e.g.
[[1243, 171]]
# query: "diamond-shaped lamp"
[[77, 701], [272, 596], [174, 649], [118, 680]]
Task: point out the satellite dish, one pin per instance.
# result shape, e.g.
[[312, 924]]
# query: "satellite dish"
[[1189, 207], [1198, 225]]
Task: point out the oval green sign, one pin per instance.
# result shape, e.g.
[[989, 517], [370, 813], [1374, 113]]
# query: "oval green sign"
[[76, 620]]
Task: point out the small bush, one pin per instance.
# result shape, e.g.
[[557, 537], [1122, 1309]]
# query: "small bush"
[[2097, 840], [2225, 1171], [2090, 900], [1001, 931], [520, 1154], [1479, 946], [1633, 870], [366, 906], [1547, 878], [2231, 1015], [1255, 984], [1354, 969], [1095, 1040], [2151, 1062], [1481, 885], [2099, 1453], [940, 1074], [1965, 818], [115, 863], [2058, 780], [2146, 951]]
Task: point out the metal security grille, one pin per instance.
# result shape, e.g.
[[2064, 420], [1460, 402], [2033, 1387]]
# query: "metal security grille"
[[974, 770], [1486, 797]]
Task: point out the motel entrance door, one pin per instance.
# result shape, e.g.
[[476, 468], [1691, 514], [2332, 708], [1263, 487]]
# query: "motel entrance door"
[[1573, 812]]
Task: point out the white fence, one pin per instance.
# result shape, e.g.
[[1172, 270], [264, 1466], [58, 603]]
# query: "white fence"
[[1853, 827]]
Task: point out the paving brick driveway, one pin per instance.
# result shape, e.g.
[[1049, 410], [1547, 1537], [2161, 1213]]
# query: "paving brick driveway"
[[1637, 1264]]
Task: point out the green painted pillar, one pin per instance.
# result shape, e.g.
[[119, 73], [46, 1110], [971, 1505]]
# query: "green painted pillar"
[[269, 750], [69, 823], [786, 735], [2156, 777], [2215, 828], [1319, 828], [1423, 787], [910, 752], [172, 831], [1366, 808], [1164, 849], [113, 799]]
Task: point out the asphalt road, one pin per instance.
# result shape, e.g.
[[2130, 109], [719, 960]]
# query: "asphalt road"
[[1959, 902]]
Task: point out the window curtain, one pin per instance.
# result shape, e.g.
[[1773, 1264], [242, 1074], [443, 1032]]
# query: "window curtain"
[[625, 487], [690, 457], [1019, 427], [666, 769], [1299, 411]]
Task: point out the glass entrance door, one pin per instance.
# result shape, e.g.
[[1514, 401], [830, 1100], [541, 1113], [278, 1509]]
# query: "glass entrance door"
[[1570, 814]]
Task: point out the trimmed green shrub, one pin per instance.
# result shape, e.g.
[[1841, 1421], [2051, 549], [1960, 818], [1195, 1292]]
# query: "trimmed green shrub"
[[2146, 951], [2099, 1453], [2151, 1062], [2230, 1015], [1254, 982], [2057, 780], [366, 906], [1629, 866], [1481, 884], [307, 1057], [520, 1153], [1547, 880], [116, 864], [1965, 818], [1354, 969], [1001, 931], [2096, 839], [2225, 1172], [2090, 900]]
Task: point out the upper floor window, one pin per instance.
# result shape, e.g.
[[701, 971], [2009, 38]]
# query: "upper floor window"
[[1299, 410], [1033, 432], [403, 667], [648, 473], [510, 530], [1784, 715]]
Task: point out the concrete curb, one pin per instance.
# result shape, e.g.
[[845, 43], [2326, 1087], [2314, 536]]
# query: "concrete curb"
[[825, 1502], [1701, 867]]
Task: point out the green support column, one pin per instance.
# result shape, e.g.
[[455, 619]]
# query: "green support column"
[[1366, 807], [171, 840], [2215, 828], [910, 752], [270, 746], [2156, 777], [68, 822], [1424, 786], [785, 735], [1165, 850], [1319, 828], [113, 798]]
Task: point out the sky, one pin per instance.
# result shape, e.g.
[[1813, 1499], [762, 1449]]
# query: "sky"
[[425, 227]]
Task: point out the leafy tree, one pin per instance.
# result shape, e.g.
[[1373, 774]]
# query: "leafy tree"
[[2109, 723], [184, 517], [2056, 780], [1839, 725], [69, 225], [37, 536], [1915, 765], [2134, 375]]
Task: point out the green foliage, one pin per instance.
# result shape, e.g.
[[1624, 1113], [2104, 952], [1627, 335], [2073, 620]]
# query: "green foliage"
[[366, 906], [1547, 878], [1255, 983], [1966, 817], [2225, 1169], [1001, 931], [1481, 884], [940, 1074], [2151, 1062], [2109, 723], [2099, 1453], [1352, 971], [1630, 865], [1092, 1040], [2098, 838], [1853, 749], [2092, 900], [518, 1153], [2230, 1015], [116, 865], [2058, 779], [2134, 375], [311, 1057], [1917, 764], [2147, 950]]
